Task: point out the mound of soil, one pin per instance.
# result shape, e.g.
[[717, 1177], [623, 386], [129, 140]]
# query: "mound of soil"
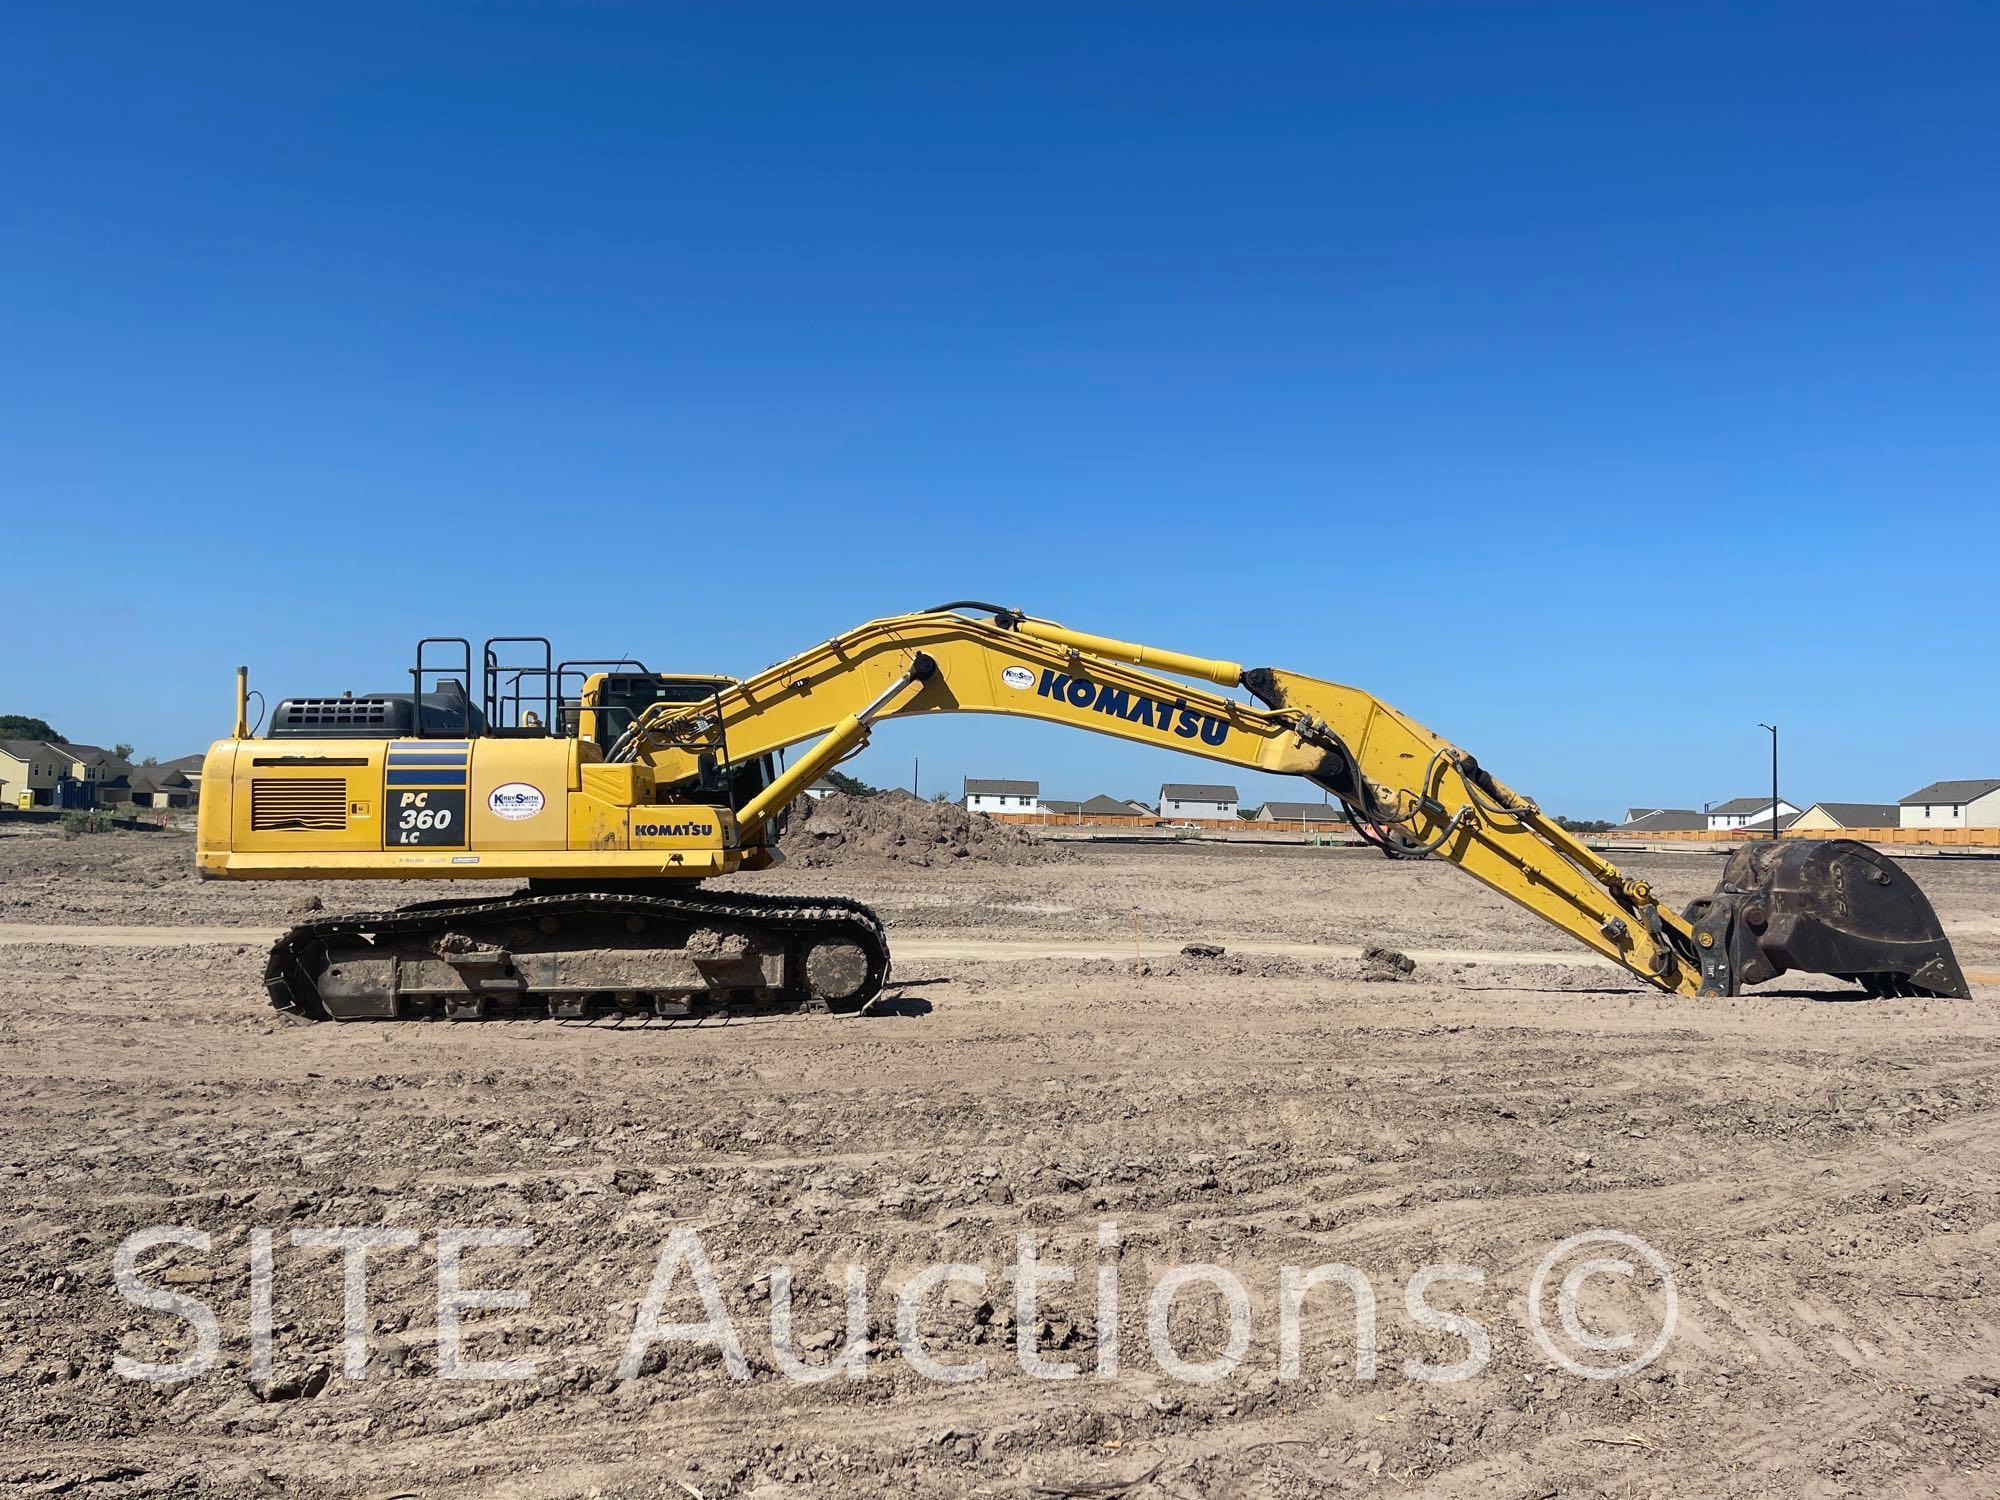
[[896, 828]]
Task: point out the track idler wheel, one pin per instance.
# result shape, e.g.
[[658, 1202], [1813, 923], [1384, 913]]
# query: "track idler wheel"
[[836, 972], [1827, 907]]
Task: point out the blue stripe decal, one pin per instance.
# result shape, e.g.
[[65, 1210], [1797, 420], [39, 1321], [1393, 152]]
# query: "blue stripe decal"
[[425, 760], [426, 778], [400, 747]]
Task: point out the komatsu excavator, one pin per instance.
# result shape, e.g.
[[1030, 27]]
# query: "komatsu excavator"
[[611, 792]]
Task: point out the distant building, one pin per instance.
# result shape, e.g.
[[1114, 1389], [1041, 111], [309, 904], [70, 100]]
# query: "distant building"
[[97, 768], [1057, 807], [1140, 807], [1001, 796], [1189, 799], [1300, 812], [29, 771], [1109, 807], [1749, 812], [52, 774], [1953, 804], [161, 786], [1834, 816], [821, 789], [1762, 822], [1663, 820]]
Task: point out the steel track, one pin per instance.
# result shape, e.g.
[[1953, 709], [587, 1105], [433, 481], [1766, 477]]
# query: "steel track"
[[294, 960]]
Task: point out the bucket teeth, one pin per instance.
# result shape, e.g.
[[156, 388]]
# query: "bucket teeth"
[[1829, 907]]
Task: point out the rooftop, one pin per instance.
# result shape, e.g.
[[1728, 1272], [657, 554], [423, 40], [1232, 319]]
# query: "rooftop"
[[1101, 806], [1665, 820], [1859, 814], [1304, 812], [1955, 792]]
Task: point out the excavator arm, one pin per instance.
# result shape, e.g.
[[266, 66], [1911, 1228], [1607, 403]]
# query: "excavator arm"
[[1407, 790]]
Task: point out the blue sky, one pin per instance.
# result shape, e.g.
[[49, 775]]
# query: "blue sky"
[[1591, 381]]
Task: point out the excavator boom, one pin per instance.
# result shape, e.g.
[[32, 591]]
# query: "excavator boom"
[[1406, 789]]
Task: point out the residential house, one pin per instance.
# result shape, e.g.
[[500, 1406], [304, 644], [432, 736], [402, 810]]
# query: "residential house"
[[1001, 796], [1101, 806], [1831, 817], [1139, 807], [1301, 812], [1953, 804], [161, 786], [1664, 820], [1181, 801], [1748, 812], [29, 771], [821, 789], [190, 767], [1058, 807], [104, 775]]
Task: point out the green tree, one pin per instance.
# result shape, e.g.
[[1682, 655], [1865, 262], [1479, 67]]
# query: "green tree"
[[1584, 825], [840, 781], [27, 727], [122, 751]]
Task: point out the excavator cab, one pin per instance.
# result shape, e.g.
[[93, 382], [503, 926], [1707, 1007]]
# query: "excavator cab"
[[610, 701]]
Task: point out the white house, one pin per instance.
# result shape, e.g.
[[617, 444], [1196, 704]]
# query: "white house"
[[1190, 799], [1749, 812], [1953, 804], [1002, 796]]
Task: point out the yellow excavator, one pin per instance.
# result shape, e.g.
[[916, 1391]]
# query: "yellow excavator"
[[610, 791]]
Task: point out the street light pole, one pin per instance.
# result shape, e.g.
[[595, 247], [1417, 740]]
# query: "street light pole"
[[1774, 776]]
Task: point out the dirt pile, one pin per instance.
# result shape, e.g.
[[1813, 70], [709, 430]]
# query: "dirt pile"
[[896, 828]]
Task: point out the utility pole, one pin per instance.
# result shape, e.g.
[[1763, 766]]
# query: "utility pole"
[[916, 765], [1774, 776]]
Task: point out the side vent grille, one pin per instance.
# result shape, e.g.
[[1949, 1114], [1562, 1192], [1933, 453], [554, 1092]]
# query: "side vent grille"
[[305, 802]]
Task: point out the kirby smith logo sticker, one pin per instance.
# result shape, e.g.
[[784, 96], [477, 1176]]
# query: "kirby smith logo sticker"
[[515, 801]]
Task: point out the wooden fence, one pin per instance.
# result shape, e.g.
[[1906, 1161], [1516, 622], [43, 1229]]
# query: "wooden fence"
[[1943, 838], [1149, 820]]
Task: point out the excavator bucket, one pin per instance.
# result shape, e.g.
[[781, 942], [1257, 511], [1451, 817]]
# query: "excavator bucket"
[[1826, 907]]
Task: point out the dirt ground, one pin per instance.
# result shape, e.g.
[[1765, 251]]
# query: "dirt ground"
[[1820, 1175]]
